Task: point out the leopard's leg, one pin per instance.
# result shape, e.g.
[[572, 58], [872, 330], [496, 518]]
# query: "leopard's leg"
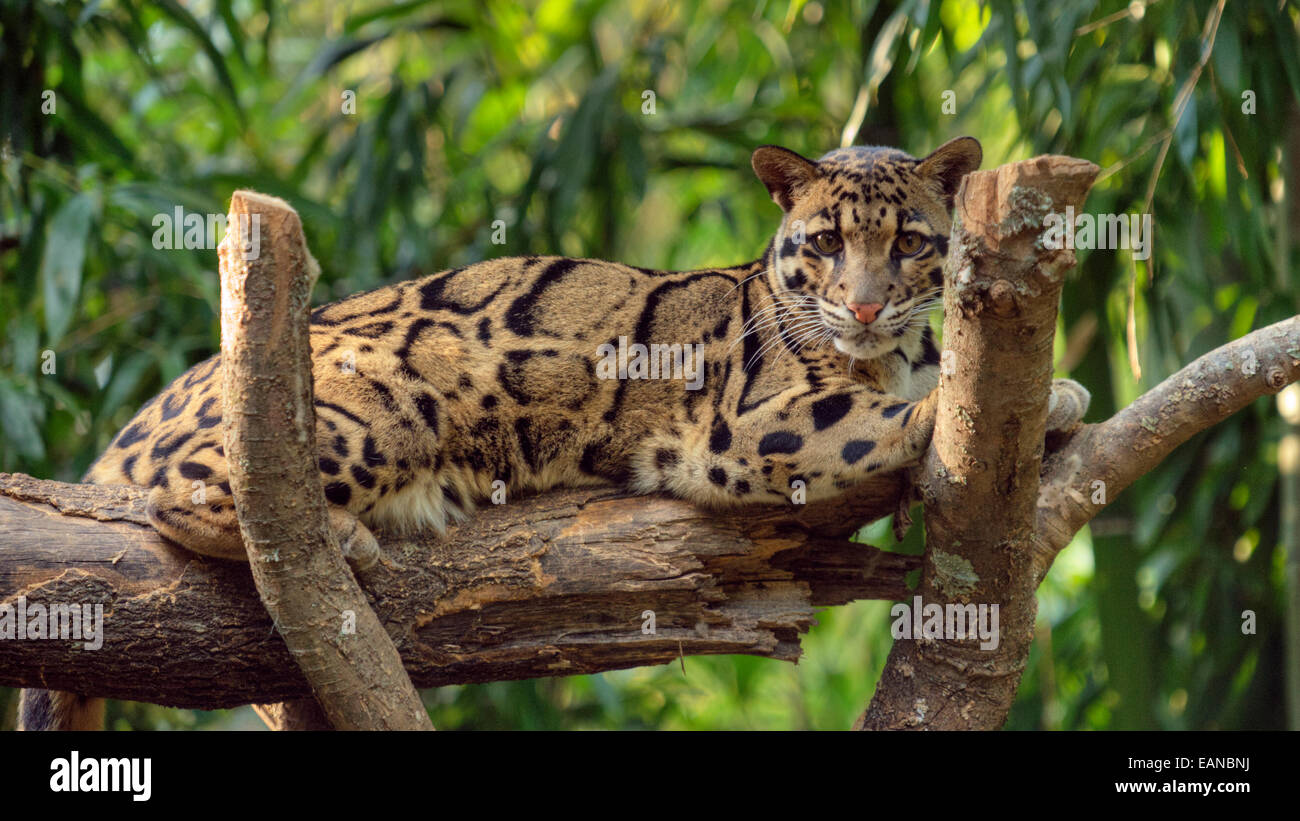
[[1067, 405], [828, 440], [203, 520], [800, 447]]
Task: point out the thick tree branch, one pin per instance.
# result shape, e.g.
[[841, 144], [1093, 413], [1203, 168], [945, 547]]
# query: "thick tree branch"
[[355, 671], [1117, 452], [556, 584], [980, 478]]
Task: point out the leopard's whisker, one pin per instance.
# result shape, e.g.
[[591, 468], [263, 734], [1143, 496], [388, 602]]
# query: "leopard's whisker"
[[777, 339]]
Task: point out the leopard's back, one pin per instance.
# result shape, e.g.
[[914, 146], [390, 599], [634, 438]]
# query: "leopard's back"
[[428, 393]]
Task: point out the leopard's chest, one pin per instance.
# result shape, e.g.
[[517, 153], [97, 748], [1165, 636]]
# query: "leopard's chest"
[[910, 371]]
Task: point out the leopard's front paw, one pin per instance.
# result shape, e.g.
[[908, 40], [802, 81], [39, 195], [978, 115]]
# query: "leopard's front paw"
[[1068, 404], [359, 545]]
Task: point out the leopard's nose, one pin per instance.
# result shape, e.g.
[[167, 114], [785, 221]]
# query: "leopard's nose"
[[867, 313]]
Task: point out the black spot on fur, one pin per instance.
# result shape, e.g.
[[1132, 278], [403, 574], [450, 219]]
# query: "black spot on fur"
[[204, 421], [742, 487], [488, 402], [364, 477], [598, 460], [318, 316], [131, 435], [370, 453], [341, 411], [856, 449], [338, 493], [665, 458], [173, 404], [199, 373], [371, 330], [164, 448], [830, 409], [720, 439], [718, 476], [385, 396], [526, 431], [328, 466], [194, 470], [512, 374], [524, 312], [412, 335], [428, 408], [929, 353], [781, 441], [893, 410], [433, 296]]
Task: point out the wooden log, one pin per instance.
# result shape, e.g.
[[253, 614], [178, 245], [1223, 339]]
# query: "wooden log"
[[555, 584], [269, 424]]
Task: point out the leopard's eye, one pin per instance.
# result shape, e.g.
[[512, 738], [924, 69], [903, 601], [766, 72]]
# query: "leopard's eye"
[[909, 243], [827, 242]]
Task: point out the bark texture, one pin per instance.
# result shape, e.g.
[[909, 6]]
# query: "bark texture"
[[269, 419], [556, 584], [1099, 461], [980, 478]]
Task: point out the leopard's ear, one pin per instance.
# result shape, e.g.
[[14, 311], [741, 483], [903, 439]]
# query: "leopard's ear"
[[951, 161], [783, 172]]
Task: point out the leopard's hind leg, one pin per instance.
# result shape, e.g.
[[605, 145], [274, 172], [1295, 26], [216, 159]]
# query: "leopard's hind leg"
[[204, 520]]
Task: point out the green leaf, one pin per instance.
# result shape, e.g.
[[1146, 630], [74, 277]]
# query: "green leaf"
[[24, 342], [187, 21], [19, 418], [65, 253], [125, 381]]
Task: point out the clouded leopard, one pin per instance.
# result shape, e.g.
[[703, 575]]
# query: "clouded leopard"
[[816, 363]]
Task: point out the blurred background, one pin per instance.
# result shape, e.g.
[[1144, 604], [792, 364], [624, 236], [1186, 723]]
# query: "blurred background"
[[622, 130]]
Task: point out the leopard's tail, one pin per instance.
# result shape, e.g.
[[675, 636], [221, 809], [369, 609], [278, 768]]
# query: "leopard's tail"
[[54, 710]]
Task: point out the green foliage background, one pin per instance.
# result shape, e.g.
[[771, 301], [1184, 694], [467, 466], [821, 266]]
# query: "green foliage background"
[[537, 115]]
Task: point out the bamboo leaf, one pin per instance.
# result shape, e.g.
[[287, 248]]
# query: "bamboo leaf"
[[65, 254]]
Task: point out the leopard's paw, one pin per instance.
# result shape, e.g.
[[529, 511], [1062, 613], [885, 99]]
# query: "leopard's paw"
[[1068, 404], [359, 545]]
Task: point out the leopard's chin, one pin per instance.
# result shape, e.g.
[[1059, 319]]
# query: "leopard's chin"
[[865, 345]]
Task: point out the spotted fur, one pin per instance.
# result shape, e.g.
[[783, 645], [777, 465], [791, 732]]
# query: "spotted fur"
[[429, 391]]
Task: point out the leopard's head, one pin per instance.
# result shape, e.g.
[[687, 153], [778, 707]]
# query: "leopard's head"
[[859, 256]]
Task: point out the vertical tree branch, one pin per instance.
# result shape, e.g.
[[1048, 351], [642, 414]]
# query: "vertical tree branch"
[[980, 477], [298, 566]]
